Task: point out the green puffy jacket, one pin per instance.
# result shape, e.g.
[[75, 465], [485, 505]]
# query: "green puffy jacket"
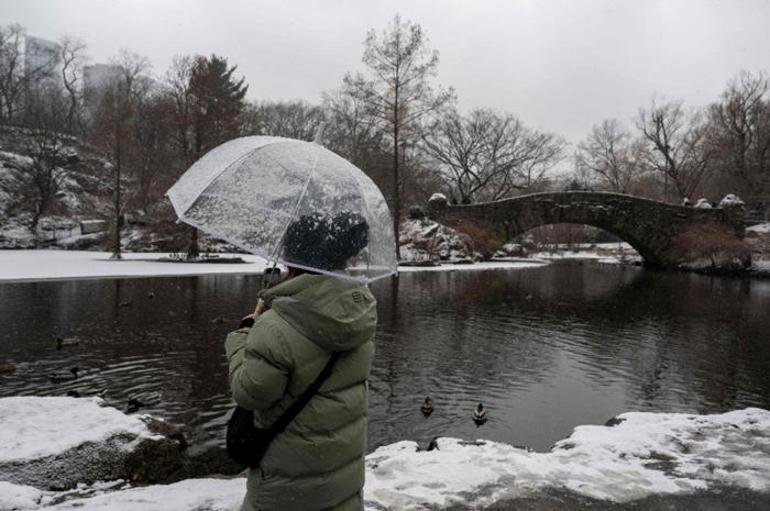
[[317, 462]]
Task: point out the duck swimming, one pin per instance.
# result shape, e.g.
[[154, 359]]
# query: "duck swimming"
[[427, 407], [479, 415], [141, 400], [7, 368], [62, 377]]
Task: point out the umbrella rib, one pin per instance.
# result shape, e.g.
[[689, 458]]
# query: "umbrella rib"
[[296, 207]]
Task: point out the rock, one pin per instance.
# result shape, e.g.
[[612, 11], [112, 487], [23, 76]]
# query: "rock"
[[54, 443], [428, 241]]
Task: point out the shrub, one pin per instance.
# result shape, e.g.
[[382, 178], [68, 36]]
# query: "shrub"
[[415, 213], [486, 240], [710, 246]]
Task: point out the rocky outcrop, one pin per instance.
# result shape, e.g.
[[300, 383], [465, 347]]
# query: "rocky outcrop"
[[425, 242], [55, 443]]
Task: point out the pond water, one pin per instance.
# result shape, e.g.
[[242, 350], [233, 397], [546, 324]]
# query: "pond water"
[[545, 349]]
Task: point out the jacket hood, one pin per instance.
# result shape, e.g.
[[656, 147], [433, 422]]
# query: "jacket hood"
[[335, 313]]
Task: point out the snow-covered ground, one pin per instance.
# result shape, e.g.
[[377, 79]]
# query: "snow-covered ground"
[[759, 228], [484, 265], [643, 454], [605, 253], [21, 265]]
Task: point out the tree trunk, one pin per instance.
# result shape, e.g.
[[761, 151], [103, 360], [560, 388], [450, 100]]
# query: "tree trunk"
[[396, 180], [116, 253], [193, 251]]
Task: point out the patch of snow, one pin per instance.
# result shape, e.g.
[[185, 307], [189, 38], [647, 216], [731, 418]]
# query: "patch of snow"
[[703, 204], [438, 197], [18, 497], [484, 265], [17, 265], [730, 200], [16, 160], [759, 228], [188, 495], [36, 427]]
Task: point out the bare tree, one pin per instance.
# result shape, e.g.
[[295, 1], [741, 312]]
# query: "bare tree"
[[16, 76], [292, 119], [72, 51], [678, 145], [353, 133], [739, 135], [487, 156], [153, 157], [46, 145], [112, 130], [177, 89], [398, 91], [611, 155]]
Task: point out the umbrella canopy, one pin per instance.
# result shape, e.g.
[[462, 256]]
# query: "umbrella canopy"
[[290, 201]]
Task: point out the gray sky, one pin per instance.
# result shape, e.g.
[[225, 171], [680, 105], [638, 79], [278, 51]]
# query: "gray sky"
[[560, 65]]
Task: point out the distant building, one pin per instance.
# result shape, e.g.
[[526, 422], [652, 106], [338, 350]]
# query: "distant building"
[[42, 56]]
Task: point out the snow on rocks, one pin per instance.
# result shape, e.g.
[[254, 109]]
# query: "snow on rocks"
[[35, 427], [730, 200], [188, 495], [57, 442], [641, 455], [703, 204], [425, 241], [635, 455], [17, 497]]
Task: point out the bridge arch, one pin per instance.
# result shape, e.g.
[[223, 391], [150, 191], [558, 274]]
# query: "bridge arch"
[[647, 225]]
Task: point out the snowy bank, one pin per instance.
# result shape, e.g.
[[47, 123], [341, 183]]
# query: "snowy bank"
[[759, 228], [21, 265], [32, 265], [58, 442], [643, 454], [636, 455], [189, 495], [484, 265]]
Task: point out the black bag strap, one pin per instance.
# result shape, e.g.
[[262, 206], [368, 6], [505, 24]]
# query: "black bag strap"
[[297, 406]]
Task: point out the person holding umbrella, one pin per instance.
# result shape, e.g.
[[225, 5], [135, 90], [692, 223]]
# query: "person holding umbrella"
[[298, 366], [317, 461]]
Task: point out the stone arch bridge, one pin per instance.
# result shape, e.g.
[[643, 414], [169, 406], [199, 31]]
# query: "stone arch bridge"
[[647, 225]]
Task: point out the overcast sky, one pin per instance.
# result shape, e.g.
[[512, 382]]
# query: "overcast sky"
[[560, 65]]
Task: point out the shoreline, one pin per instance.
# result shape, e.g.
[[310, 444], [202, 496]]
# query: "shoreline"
[[51, 265], [24, 266]]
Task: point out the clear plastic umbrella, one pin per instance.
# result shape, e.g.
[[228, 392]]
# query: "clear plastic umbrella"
[[293, 202]]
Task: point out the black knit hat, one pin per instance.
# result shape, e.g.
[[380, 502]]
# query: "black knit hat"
[[323, 242]]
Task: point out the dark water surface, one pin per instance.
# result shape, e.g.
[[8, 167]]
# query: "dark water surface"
[[545, 349]]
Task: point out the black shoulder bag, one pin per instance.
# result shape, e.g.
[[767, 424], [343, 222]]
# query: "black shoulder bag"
[[246, 444]]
